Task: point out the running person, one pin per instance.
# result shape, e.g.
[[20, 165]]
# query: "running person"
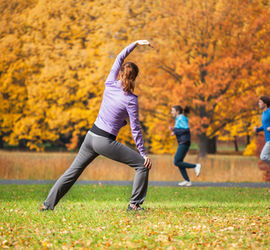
[[182, 132], [117, 105], [264, 105]]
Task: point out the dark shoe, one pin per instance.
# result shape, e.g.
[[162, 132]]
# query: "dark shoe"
[[134, 207], [43, 208]]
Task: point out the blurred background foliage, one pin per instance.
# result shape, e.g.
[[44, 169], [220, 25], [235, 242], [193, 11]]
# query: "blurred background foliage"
[[213, 56]]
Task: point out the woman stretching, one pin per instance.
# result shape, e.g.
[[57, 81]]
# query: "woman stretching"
[[182, 132], [117, 105]]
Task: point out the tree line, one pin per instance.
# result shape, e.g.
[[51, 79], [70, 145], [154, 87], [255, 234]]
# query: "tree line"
[[212, 56]]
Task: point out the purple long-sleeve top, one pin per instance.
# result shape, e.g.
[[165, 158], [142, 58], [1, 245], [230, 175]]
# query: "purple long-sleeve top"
[[118, 105]]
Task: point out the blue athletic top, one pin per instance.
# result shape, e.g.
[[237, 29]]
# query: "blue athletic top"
[[265, 124], [181, 121], [181, 130]]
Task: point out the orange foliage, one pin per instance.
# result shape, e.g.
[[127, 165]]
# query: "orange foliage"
[[210, 55]]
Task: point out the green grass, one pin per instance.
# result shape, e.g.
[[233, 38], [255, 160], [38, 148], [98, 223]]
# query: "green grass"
[[95, 217]]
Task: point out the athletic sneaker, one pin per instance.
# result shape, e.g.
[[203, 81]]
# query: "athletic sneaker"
[[197, 169], [134, 207], [185, 184], [43, 208]]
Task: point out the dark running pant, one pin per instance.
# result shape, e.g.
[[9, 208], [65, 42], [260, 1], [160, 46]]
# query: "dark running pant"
[[93, 146], [179, 160]]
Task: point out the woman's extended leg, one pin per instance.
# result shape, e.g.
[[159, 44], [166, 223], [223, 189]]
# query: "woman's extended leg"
[[65, 182], [178, 160], [265, 154]]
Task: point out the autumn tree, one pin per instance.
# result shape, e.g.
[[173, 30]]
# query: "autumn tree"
[[62, 54], [209, 55], [59, 45], [13, 71]]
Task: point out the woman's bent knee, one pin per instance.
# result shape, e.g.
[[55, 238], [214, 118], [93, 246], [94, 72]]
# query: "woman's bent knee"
[[177, 162], [141, 168]]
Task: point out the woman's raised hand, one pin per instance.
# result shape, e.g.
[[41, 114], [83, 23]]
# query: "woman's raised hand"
[[144, 42]]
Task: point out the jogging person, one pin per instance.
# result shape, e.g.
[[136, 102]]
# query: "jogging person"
[[264, 105], [182, 132], [117, 105]]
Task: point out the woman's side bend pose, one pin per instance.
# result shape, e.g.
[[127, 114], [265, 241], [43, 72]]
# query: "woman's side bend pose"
[[117, 105]]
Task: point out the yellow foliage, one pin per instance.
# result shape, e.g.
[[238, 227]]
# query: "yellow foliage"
[[251, 148], [55, 56]]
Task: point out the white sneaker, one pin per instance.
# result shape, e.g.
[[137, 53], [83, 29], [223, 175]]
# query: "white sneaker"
[[197, 169], [185, 184]]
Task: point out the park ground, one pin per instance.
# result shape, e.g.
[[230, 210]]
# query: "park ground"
[[95, 217]]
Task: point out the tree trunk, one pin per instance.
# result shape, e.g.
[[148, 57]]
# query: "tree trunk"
[[207, 145], [248, 140], [235, 144], [22, 144]]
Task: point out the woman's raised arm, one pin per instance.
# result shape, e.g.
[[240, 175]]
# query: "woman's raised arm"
[[120, 59]]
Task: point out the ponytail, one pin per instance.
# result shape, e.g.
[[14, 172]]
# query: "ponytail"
[[128, 74]]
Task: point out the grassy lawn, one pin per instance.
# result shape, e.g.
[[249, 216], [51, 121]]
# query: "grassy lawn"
[[92, 216]]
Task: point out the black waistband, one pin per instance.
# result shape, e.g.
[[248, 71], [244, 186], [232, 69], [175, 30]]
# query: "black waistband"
[[96, 130]]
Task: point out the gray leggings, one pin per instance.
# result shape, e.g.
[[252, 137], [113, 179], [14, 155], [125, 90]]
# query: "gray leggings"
[[93, 146]]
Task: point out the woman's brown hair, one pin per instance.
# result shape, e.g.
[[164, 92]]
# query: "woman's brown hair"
[[128, 74], [180, 110], [266, 100]]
